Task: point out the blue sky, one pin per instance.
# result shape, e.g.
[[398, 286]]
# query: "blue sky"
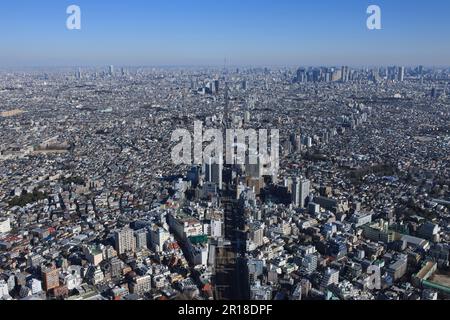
[[204, 32]]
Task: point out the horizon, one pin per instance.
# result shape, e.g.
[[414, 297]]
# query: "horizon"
[[227, 68]]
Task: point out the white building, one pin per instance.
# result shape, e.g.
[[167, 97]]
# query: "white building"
[[4, 292], [330, 277], [5, 225], [158, 236], [216, 228], [125, 241], [185, 227], [141, 285], [35, 286]]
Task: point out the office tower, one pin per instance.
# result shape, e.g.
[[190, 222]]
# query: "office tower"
[[392, 73], [304, 191], [300, 191], [50, 277], [125, 241], [213, 172], [420, 71], [301, 76], [345, 74], [401, 74], [78, 74], [316, 75], [216, 86], [244, 85], [296, 192], [111, 70]]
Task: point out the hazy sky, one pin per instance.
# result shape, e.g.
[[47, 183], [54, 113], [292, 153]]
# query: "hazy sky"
[[204, 32]]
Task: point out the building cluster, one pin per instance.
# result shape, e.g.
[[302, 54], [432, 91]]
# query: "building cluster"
[[92, 206]]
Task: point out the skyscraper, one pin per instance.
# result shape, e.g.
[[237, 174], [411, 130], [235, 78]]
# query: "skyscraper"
[[401, 74], [78, 74], [111, 70], [345, 74], [213, 172], [300, 191], [216, 86], [391, 73], [301, 75], [304, 192]]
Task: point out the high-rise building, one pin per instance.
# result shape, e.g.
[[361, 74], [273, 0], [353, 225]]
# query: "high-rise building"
[[213, 172], [78, 74], [420, 71], [301, 75], [309, 263], [391, 73], [330, 277], [344, 74], [50, 277], [216, 86], [401, 74], [158, 236], [125, 241], [141, 239], [226, 111], [300, 191], [111, 70]]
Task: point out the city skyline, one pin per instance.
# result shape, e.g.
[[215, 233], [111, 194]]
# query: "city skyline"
[[200, 33]]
